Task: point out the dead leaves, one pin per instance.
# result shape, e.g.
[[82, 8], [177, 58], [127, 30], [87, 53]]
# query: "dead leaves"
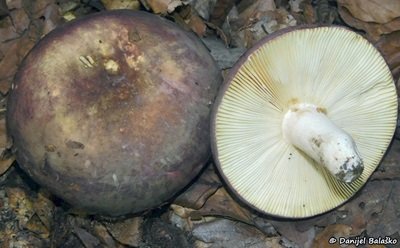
[[28, 222], [377, 11], [222, 204], [25, 24], [249, 21], [188, 18], [335, 231], [389, 168], [3, 8], [238, 23], [197, 194], [389, 45], [372, 212], [6, 157], [127, 232], [5, 164], [373, 30], [381, 22], [375, 210], [226, 233], [223, 55], [121, 4], [161, 6]]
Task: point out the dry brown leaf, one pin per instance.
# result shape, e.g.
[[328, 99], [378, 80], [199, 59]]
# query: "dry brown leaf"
[[305, 12], [14, 51], [222, 204], [389, 168], [37, 8], [44, 15], [181, 211], [209, 202], [121, 4], [254, 9], [298, 231], [21, 238], [104, 236], [161, 6], [24, 221], [296, 5], [250, 21], [227, 233], [63, 229], [198, 193], [12, 58], [220, 11], [219, 32], [44, 209], [3, 8], [7, 235], [5, 164], [36, 226], [51, 18], [7, 30], [334, 231], [14, 4], [284, 19], [88, 240], [127, 232], [325, 13], [20, 20], [66, 6], [374, 30], [189, 19], [21, 204], [309, 14], [3, 134], [180, 217], [375, 209], [5, 84], [9, 64], [389, 46], [387, 222], [376, 11], [159, 233], [197, 25], [319, 221], [204, 8]]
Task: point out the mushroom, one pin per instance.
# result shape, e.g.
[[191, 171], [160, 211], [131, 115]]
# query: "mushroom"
[[111, 112], [303, 119]]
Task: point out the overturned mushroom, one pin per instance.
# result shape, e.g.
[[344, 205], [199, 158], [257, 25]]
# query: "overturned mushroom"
[[303, 119], [111, 112]]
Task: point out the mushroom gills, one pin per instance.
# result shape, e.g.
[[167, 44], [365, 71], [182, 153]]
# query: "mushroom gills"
[[309, 129]]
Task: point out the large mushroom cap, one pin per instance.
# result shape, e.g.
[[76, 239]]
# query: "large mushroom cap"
[[331, 68], [111, 112]]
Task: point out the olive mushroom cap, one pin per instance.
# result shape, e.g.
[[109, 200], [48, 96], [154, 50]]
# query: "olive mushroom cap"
[[295, 93], [111, 112]]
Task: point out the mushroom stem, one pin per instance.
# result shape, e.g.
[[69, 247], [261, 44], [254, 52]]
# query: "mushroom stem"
[[307, 127]]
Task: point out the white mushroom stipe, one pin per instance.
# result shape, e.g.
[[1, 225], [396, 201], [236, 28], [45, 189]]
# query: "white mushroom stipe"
[[323, 84], [307, 127]]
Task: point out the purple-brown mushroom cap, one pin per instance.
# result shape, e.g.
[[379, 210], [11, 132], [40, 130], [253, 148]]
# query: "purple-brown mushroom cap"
[[111, 112]]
